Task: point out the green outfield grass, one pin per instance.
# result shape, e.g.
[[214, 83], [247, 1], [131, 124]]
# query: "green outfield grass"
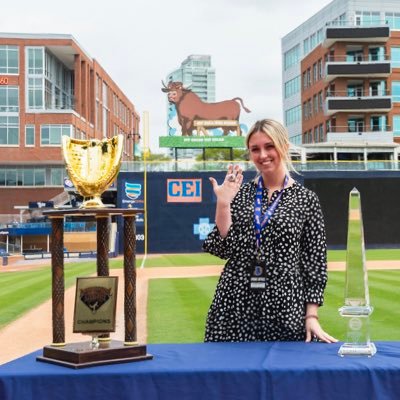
[[22, 291], [177, 308]]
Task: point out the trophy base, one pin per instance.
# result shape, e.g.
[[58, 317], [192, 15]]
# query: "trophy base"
[[83, 355], [355, 349], [92, 202]]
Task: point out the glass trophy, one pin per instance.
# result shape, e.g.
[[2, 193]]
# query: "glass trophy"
[[357, 308]]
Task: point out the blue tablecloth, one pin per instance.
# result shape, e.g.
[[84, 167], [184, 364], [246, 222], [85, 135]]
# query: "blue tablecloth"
[[268, 371]]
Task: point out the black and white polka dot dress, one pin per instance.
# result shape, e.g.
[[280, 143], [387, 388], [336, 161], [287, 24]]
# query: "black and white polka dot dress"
[[294, 246]]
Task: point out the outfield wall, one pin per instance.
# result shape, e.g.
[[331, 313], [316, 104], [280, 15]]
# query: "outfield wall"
[[181, 206]]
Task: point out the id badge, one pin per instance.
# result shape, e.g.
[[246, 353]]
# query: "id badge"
[[258, 275]]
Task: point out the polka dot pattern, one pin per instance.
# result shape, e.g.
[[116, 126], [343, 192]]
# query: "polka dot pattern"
[[294, 247]]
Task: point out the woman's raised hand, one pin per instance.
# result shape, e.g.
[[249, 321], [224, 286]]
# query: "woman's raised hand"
[[230, 186]]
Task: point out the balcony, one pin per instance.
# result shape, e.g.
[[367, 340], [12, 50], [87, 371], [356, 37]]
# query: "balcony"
[[342, 134], [370, 34], [342, 102], [362, 67]]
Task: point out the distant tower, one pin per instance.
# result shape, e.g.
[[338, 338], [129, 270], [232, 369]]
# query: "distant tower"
[[197, 74]]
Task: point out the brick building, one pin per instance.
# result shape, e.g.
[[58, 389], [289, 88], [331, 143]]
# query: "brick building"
[[49, 87]]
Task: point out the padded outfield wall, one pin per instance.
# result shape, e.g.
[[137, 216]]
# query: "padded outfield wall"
[[181, 206]]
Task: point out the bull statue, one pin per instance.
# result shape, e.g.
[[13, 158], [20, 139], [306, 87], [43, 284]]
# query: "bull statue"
[[191, 108]]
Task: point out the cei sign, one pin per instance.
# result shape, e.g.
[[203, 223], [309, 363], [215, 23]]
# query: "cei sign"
[[184, 190]]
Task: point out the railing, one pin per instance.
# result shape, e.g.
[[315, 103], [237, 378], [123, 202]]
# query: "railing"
[[358, 93], [68, 226], [357, 129], [370, 165], [353, 23], [358, 58], [310, 165]]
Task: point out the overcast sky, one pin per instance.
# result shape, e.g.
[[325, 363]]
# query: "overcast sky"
[[139, 42]]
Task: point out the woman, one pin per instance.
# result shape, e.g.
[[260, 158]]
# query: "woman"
[[272, 232]]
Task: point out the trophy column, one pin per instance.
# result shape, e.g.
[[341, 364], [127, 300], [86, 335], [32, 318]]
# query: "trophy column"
[[357, 308], [103, 237], [130, 280], [57, 265]]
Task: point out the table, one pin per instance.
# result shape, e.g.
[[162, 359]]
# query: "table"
[[223, 371]]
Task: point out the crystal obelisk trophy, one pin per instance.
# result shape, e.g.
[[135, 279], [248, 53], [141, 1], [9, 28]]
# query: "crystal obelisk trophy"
[[356, 309]]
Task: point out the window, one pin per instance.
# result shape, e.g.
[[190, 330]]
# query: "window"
[[306, 46], [313, 40], [393, 20], [315, 104], [28, 177], [29, 135], [314, 138], [355, 90], [9, 130], [35, 60], [35, 93], [315, 72], [377, 88], [395, 57], [376, 53], [305, 110], [320, 100], [378, 123], [25, 176], [9, 99], [56, 177], [368, 18], [320, 68], [355, 125], [320, 36], [396, 91], [292, 57], [50, 135], [292, 115], [321, 133], [309, 77], [396, 125], [354, 55], [292, 87], [9, 59]]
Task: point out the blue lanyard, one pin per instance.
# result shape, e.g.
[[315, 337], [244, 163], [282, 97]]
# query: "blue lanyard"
[[260, 220]]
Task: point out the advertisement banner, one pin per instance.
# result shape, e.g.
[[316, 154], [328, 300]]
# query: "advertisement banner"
[[130, 194], [236, 142]]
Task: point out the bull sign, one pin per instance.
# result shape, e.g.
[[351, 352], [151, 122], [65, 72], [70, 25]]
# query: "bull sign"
[[193, 113]]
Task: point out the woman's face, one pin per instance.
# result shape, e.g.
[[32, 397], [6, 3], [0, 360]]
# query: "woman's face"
[[263, 153]]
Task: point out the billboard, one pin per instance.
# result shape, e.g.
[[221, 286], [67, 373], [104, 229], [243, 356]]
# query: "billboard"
[[193, 123]]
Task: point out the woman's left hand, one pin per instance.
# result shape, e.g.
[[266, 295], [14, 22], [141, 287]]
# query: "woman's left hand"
[[314, 330]]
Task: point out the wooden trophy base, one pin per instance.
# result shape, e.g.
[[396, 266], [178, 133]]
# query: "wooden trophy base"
[[82, 355]]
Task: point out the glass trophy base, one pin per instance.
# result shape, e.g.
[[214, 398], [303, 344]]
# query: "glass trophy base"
[[358, 311], [357, 349]]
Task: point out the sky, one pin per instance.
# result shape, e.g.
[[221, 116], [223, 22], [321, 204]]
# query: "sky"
[[139, 42]]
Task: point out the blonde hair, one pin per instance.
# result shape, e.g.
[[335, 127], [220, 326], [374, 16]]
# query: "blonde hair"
[[279, 135]]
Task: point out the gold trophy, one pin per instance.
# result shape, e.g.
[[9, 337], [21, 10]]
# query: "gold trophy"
[[92, 166]]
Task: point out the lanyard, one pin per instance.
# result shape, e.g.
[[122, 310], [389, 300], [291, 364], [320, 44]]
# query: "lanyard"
[[260, 220]]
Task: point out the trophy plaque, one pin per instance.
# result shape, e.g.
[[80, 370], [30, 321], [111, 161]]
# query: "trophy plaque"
[[92, 166], [357, 308]]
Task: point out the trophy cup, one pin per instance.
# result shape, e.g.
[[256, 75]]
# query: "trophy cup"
[[92, 166], [357, 308]]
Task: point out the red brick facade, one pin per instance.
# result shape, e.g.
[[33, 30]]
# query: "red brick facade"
[[86, 116]]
